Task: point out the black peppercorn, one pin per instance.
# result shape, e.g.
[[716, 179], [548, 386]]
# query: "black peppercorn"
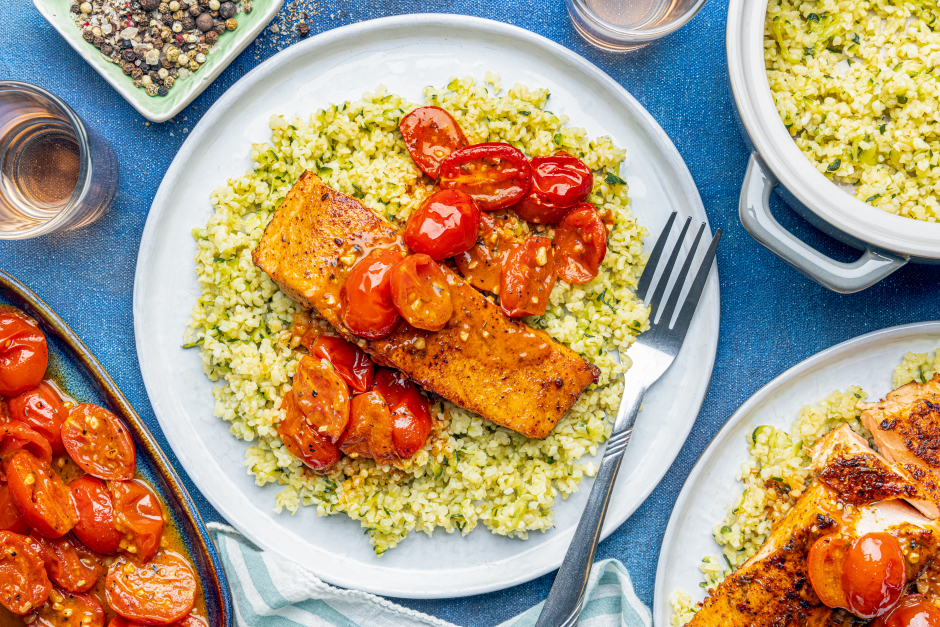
[[98, 41], [127, 44], [87, 35], [106, 49], [127, 67], [188, 23], [162, 90], [75, 9], [135, 6], [166, 63], [150, 5], [136, 73], [212, 37], [219, 27], [227, 10], [204, 22], [174, 73], [168, 20], [195, 10], [154, 76], [130, 55], [303, 29]]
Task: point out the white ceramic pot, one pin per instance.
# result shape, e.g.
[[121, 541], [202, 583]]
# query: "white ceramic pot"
[[888, 242]]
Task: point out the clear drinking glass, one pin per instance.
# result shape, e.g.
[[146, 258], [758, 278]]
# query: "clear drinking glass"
[[624, 25], [55, 173]]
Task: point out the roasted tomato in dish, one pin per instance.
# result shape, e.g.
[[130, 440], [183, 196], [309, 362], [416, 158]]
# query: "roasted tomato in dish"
[[322, 396], [495, 175], [580, 245], [369, 433], [411, 416], [68, 609], [559, 182], [913, 610], [482, 265], [824, 566], [873, 574], [138, 515], [160, 592], [24, 584], [350, 362], [24, 354], [302, 440], [366, 297], [69, 564], [16, 437], [527, 279], [431, 134], [42, 410], [95, 526], [40, 495], [421, 294], [99, 443], [10, 517], [444, 226]]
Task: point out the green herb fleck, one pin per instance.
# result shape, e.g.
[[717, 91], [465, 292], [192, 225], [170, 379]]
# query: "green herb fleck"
[[835, 165], [613, 179], [198, 342]]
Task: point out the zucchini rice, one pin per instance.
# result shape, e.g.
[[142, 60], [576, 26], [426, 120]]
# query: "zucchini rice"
[[855, 83], [777, 472], [470, 470]]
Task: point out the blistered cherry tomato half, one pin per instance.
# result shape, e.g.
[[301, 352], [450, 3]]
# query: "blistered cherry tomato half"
[[138, 515], [24, 584], [431, 134], [824, 567], [527, 279], [10, 517], [350, 362], [160, 592], [444, 226], [482, 265], [95, 526], [24, 354], [495, 175], [580, 245], [366, 297], [322, 396], [42, 410], [69, 609], [40, 495], [16, 437], [69, 563], [559, 182], [873, 574], [913, 610], [411, 415], [302, 440], [369, 433], [420, 293], [187, 621], [99, 443]]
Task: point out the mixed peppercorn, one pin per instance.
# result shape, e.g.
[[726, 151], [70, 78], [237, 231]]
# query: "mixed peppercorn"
[[153, 41]]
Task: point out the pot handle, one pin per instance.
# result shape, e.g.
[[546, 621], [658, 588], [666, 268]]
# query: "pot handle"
[[754, 211]]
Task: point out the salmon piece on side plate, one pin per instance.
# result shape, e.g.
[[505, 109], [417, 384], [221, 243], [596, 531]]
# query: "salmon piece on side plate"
[[503, 370]]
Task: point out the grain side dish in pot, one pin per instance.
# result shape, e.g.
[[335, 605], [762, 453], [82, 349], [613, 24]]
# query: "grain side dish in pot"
[[413, 313], [855, 83]]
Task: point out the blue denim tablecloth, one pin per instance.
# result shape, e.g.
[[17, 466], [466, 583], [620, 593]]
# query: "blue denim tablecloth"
[[772, 317]]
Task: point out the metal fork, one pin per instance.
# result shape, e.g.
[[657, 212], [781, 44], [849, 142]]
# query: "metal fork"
[[652, 353]]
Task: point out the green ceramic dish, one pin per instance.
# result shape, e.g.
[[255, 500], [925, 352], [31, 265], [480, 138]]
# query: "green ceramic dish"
[[83, 377], [156, 108]]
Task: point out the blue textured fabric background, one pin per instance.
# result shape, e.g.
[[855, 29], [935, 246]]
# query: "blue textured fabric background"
[[772, 318]]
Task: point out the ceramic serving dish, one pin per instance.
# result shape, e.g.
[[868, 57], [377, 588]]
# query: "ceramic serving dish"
[[83, 377], [888, 242], [156, 108]]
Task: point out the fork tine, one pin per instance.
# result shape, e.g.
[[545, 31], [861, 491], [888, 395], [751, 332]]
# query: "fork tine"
[[667, 272], [695, 292], [653, 261], [670, 307]]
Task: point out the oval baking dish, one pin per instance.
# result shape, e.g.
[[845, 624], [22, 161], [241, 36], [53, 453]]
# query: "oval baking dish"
[[888, 241]]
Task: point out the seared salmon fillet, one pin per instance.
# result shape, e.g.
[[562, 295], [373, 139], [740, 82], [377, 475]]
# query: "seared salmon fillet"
[[503, 370]]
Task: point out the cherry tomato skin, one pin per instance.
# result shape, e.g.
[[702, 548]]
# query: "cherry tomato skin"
[[580, 245], [421, 294], [410, 411], [24, 353], [350, 362], [824, 567], [99, 443], [366, 297], [158, 593], [393, 385], [313, 449], [913, 610], [74, 609], [322, 396], [444, 226], [41, 496], [24, 584], [482, 264], [370, 429], [10, 517], [16, 437], [527, 279], [69, 564], [496, 175], [137, 513], [42, 410], [559, 182], [431, 134], [188, 621], [95, 527], [873, 575]]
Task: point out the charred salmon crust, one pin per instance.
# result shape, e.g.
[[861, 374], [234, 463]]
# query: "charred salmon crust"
[[503, 370]]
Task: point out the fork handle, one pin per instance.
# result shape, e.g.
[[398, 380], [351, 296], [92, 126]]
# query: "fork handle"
[[564, 602]]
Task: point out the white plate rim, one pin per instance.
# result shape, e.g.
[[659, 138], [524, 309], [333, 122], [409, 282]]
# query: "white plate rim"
[[710, 298], [661, 609]]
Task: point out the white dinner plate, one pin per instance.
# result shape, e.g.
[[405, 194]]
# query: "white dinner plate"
[[711, 488], [405, 53]]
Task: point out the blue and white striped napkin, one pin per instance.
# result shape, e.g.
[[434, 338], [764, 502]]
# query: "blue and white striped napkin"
[[271, 592]]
